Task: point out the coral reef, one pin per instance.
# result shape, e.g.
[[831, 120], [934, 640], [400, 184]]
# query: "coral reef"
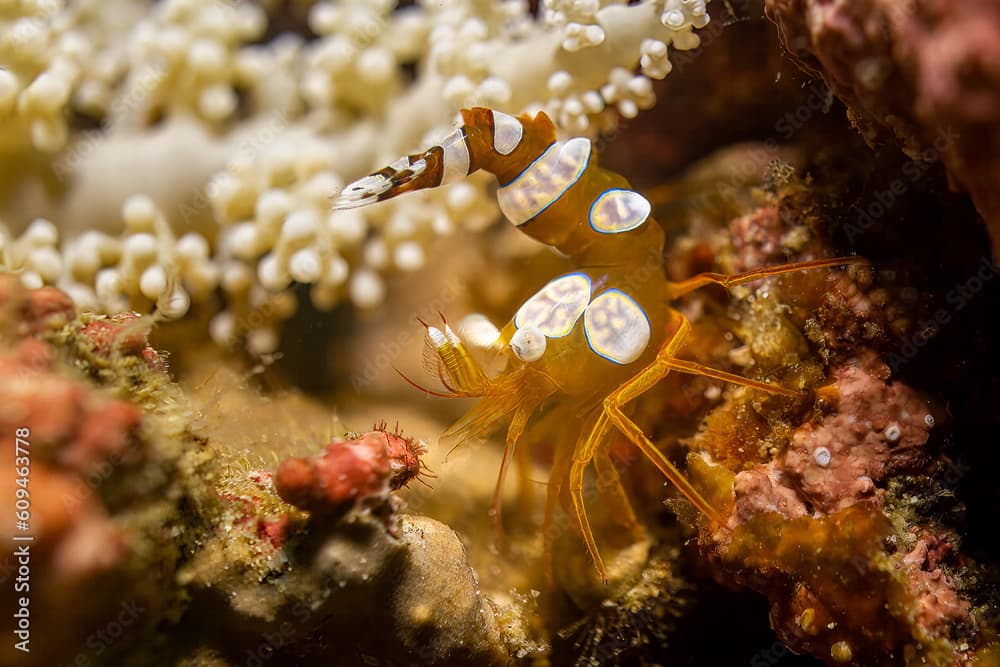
[[817, 521]]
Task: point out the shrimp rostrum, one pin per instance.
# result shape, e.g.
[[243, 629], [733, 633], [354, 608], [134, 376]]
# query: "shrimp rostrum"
[[594, 339]]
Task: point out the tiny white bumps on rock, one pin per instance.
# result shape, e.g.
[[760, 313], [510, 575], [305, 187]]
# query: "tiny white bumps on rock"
[[822, 456], [892, 432]]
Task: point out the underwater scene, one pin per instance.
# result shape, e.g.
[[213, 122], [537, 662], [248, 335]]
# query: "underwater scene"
[[499, 332]]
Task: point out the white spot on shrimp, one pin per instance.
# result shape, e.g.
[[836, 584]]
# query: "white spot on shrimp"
[[452, 338], [545, 180], [555, 308], [438, 338], [418, 167], [618, 210], [507, 133], [455, 158], [616, 327], [822, 457], [929, 420], [528, 344], [478, 330]]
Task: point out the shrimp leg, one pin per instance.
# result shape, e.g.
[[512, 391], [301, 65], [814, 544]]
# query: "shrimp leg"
[[732, 280], [614, 415], [584, 453], [514, 432]]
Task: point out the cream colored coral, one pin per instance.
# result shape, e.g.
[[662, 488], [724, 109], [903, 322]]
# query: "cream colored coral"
[[142, 267], [278, 229], [210, 170], [356, 62]]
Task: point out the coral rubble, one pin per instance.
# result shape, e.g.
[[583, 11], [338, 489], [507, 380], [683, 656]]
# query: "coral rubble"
[[817, 522], [98, 493]]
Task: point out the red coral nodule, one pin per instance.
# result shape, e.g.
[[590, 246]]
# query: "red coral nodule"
[[348, 471], [404, 455], [367, 467]]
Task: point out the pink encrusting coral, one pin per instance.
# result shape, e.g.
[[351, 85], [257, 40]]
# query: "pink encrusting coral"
[[75, 427], [939, 607], [77, 438], [362, 469], [829, 486], [45, 308], [853, 308], [873, 428], [31, 312], [838, 475], [757, 238], [878, 428], [123, 334]]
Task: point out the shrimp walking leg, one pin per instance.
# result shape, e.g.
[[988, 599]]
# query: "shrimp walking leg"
[[584, 453], [732, 280], [560, 468], [514, 432]]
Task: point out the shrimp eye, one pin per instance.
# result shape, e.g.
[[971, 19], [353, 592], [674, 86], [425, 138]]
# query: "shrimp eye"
[[528, 344]]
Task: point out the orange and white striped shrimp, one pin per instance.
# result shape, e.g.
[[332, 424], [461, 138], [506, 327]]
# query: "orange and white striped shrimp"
[[591, 340]]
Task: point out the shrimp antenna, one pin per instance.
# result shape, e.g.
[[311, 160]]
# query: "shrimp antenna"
[[429, 392]]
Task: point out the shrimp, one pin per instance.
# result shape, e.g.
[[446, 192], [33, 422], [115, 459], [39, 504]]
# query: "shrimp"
[[592, 340]]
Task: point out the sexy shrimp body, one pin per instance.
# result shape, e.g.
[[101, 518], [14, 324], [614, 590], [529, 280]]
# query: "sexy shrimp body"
[[588, 330], [588, 342]]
